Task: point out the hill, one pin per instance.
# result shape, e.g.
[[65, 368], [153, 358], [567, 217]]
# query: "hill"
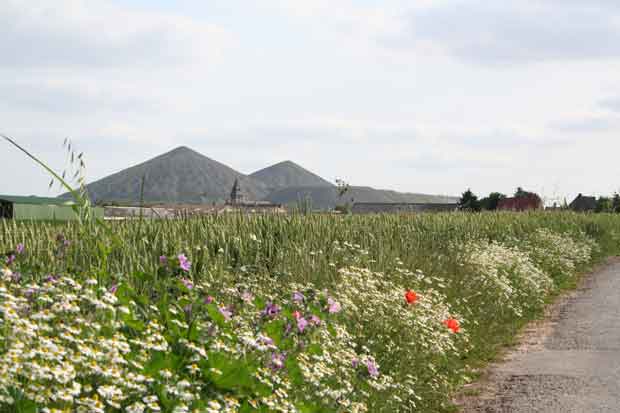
[[179, 176], [328, 197], [184, 176], [288, 174]]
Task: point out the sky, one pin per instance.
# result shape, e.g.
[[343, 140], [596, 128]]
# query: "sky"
[[424, 96]]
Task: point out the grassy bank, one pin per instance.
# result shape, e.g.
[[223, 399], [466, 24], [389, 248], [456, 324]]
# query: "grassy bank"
[[296, 313]]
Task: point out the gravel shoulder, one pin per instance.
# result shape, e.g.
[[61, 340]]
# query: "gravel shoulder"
[[569, 361]]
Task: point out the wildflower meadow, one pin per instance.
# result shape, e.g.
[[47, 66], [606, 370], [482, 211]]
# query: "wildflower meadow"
[[297, 313]]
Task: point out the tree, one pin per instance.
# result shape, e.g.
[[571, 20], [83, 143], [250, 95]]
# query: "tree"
[[469, 202], [490, 202], [615, 204], [521, 193], [604, 204], [343, 188]]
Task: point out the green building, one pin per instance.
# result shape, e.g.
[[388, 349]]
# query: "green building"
[[38, 208]]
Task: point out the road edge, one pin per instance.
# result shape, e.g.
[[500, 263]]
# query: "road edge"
[[531, 337]]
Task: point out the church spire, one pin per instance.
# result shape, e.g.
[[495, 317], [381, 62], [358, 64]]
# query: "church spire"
[[236, 195]]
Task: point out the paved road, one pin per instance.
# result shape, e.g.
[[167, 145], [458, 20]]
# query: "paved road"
[[568, 364]]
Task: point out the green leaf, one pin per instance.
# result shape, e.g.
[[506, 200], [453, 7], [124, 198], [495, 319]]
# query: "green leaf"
[[247, 408], [236, 375], [184, 301], [162, 394], [124, 294], [292, 367], [132, 323], [215, 315], [314, 349], [157, 363], [26, 406], [161, 360], [259, 302], [275, 330], [309, 408]]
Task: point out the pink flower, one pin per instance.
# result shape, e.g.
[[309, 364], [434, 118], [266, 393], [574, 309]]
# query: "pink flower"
[[184, 263], [225, 312], [163, 260], [373, 370], [20, 248], [270, 310], [266, 340], [314, 320], [277, 361], [209, 299], [50, 278], [187, 283], [247, 297], [333, 306], [298, 297], [302, 323]]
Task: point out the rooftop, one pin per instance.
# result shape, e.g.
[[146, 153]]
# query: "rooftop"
[[35, 200]]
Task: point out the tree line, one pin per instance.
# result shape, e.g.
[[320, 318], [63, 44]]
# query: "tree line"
[[469, 201], [608, 203]]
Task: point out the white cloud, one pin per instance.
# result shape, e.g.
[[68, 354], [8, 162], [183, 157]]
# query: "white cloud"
[[519, 32], [65, 33], [612, 104]]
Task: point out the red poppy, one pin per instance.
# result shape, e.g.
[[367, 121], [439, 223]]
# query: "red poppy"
[[411, 297], [452, 324]]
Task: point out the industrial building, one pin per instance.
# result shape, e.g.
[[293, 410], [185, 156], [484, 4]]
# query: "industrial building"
[[39, 208]]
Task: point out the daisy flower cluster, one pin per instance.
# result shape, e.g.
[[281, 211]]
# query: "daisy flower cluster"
[[64, 347], [69, 345], [398, 322], [561, 254], [506, 276]]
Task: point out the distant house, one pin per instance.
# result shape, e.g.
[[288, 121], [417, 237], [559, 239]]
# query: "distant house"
[[522, 203], [189, 210], [235, 204], [399, 207], [583, 203], [39, 208], [258, 207], [554, 207]]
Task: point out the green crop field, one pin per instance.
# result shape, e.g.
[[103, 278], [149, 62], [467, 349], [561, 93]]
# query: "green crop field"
[[315, 313]]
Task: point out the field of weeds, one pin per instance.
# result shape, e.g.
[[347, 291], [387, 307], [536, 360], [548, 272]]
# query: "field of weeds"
[[275, 314]]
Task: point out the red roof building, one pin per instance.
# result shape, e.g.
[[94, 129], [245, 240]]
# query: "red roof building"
[[522, 203]]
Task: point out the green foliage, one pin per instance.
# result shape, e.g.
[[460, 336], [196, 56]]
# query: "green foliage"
[[521, 193], [469, 202], [604, 204], [490, 202], [616, 203], [343, 189]]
